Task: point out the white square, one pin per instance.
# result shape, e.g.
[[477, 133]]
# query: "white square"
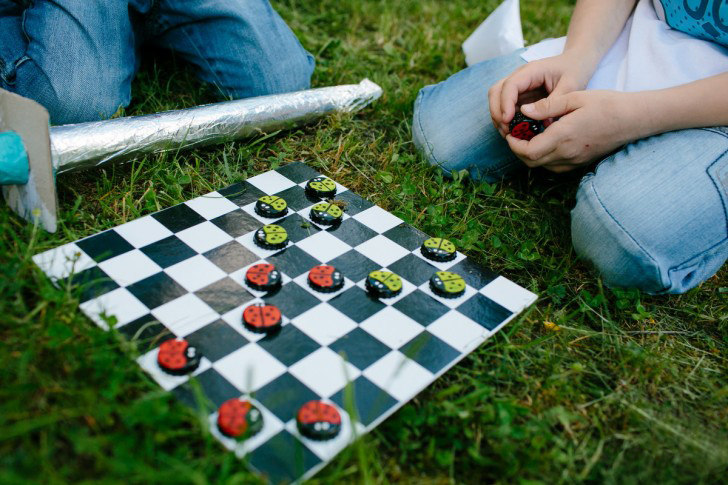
[[271, 427], [392, 327], [378, 219], [247, 241], [61, 262], [302, 281], [324, 323], [195, 273], [327, 449], [148, 362], [450, 302], [382, 250], [271, 182], [508, 294], [325, 372], [440, 265], [458, 331], [184, 315], [118, 303], [249, 368], [204, 236], [143, 231], [323, 246], [130, 267], [211, 205], [401, 377]]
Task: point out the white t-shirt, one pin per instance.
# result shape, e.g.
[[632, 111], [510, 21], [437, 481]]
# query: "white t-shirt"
[[648, 54]]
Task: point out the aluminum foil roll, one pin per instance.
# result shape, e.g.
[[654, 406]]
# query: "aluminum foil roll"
[[87, 145]]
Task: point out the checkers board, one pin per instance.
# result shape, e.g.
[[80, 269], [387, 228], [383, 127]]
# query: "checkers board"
[[180, 273]]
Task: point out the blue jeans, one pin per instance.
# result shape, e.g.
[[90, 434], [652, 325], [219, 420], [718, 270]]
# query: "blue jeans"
[[78, 57], [652, 216]]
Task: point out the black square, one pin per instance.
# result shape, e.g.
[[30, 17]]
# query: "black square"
[[413, 269], [354, 265], [369, 401], [360, 348], [224, 295], [283, 458], [297, 227], [214, 388], [91, 283], [293, 261], [430, 352], [484, 311], [353, 203], [216, 340], [168, 251], [105, 245], [352, 232], [242, 194], [295, 197], [289, 345], [474, 275], [156, 290], [297, 172], [406, 236], [147, 332], [356, 304], [236, 223], [421, 307], [292, 300], [231, 256], [178, 218], [284, 395]]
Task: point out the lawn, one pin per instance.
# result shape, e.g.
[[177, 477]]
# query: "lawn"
[[627, 388]]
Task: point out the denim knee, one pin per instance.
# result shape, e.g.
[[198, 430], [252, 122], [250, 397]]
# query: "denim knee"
[[98, 98], [599, 239]]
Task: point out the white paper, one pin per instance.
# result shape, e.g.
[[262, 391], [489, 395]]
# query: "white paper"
[[498, 35]]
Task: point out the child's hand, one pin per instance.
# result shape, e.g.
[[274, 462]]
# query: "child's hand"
[[590, 125], [552, 76]]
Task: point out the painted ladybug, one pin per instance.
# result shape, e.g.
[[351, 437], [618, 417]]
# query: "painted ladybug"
[[318, 421], [383, 284], [271, 237], [326, 214], [262, 318], [438, 249], [325, 278], [263, 277], [239, 419], [271, 206], [177, 357], [321, 187], [447, 284], [525, 128]]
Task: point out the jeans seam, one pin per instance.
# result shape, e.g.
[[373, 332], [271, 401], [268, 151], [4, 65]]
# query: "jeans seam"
[[707, 172]]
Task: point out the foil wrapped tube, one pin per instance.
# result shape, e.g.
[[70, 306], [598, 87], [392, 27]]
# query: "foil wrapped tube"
[[88, 145]]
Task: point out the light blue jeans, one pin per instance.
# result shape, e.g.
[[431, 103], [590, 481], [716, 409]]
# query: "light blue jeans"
[[653, 216], [78, 57]]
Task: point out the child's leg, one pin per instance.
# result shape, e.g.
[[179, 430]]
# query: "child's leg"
[[75, 58], [654, 215], [243, 48], [452, 125]]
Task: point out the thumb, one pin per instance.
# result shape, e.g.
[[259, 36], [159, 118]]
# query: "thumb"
[[553, 106]]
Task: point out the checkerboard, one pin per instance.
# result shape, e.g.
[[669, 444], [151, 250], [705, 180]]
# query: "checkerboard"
[[180, 273]]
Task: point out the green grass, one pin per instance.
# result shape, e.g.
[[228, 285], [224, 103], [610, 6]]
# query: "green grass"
[[631, 389]]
